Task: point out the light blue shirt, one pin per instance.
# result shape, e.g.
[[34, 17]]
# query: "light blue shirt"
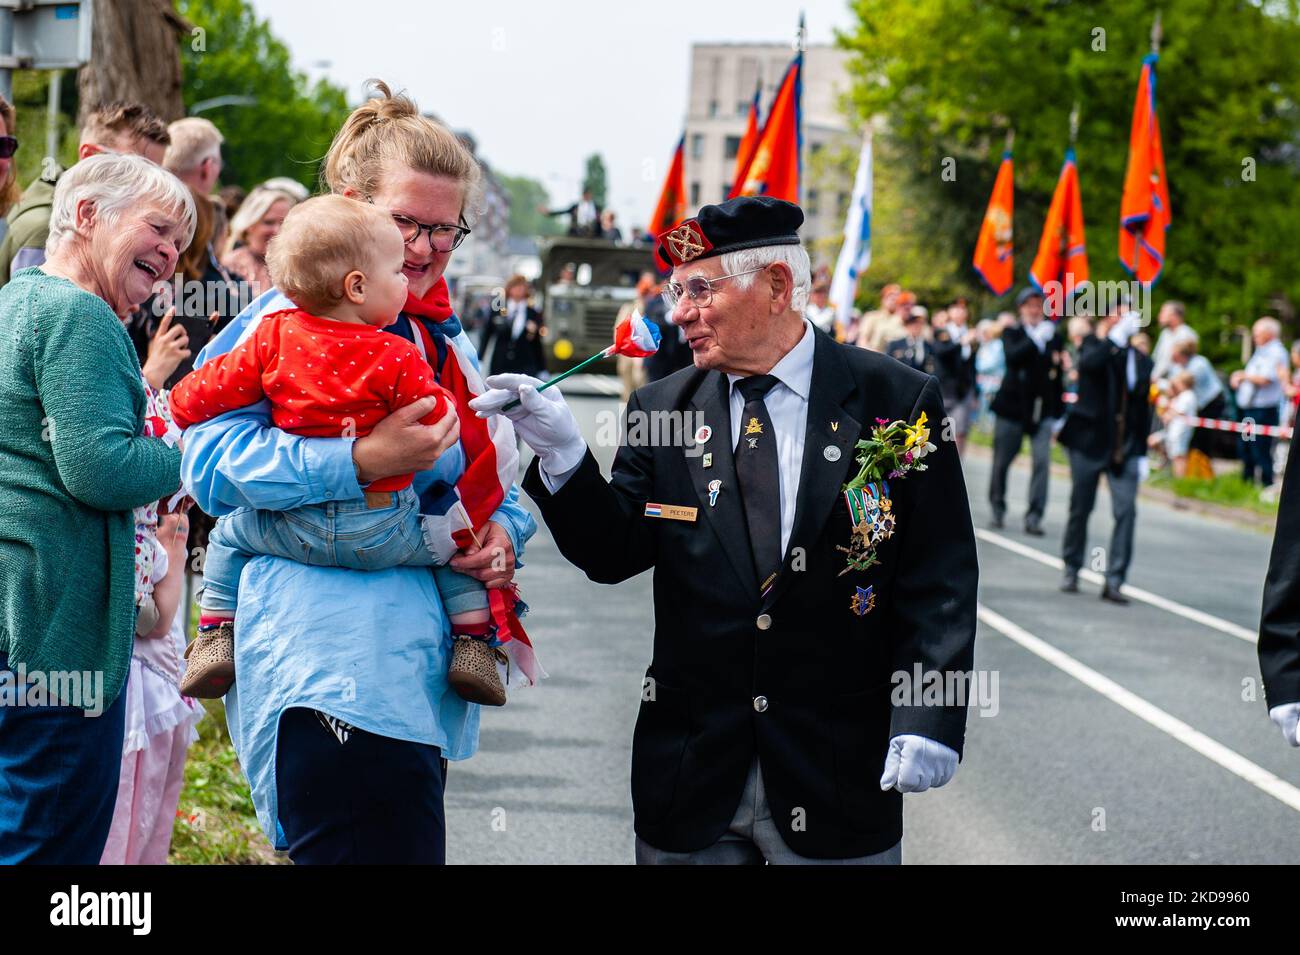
[[1265, 363], [371, 648], [787, 406]]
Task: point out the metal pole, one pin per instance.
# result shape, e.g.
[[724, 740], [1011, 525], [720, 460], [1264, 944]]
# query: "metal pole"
[[52, 115], [6, 53]]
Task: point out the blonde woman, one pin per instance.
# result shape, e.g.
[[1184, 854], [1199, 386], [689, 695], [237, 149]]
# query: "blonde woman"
[[342, 712], [255, 224]]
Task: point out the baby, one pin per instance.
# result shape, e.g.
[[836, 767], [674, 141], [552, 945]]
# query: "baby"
[[329, 370]]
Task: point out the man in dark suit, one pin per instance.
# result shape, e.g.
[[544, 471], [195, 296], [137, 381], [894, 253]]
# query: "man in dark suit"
[[1105, 431], [913, 349], [1027, 404], [767, 729], [1279, 625], [517, 331]]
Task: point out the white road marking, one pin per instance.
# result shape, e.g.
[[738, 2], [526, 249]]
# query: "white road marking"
[[1137, 593], [1194, 739]]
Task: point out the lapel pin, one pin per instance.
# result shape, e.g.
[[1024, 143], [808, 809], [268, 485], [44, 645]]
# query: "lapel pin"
[[708, 460], [702, 434], [835, 426], [714, 487], [831, 453]]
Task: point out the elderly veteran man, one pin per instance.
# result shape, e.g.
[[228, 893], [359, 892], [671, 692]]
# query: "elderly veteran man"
[[780, 721]]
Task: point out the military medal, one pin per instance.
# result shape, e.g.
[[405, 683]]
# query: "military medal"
[[864, 601], [871, 513]]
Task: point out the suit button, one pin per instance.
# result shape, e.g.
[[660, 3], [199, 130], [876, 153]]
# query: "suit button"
[[760, 704], [764, 621]]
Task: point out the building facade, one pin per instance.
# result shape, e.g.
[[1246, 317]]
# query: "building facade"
[[723, 78]]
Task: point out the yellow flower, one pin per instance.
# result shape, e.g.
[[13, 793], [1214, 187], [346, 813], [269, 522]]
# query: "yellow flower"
[[917, 433]]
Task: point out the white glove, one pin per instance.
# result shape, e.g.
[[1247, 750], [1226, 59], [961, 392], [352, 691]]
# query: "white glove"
[[1287, 716], [542, 419], [915, 764], [1125, 327], [1042, 332]]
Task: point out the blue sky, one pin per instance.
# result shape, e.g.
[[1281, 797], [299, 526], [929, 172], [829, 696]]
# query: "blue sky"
[[543, 85]]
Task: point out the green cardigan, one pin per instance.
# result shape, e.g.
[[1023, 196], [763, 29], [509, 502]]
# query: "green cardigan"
[[72, 466]]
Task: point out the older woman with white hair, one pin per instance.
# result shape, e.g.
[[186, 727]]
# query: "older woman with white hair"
[[73, 465], [256, 223]]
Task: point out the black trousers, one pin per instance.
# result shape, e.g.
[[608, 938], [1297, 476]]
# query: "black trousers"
[[370, 800]]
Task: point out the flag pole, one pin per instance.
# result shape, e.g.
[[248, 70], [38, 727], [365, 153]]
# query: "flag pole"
[[1011, 140], [1074, 124], [1155, 34]]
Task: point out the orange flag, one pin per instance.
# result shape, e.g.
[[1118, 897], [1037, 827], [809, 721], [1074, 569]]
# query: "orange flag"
[[748, 141], [1062, 254], [671, 207], [1144, 212], [774, 168], [993, 253]]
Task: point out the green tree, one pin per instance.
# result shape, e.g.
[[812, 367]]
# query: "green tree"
[[951, 77], [595, 180], [289, 128], [526, 195]]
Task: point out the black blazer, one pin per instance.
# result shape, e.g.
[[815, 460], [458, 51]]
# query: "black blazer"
[[824, 672], [522, 355], [1279, 623], [1031, 387], [1091, 423], [956, 374]]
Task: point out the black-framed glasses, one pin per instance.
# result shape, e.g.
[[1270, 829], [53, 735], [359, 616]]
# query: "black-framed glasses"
[[442, 237], [698, 289], [8, 146]]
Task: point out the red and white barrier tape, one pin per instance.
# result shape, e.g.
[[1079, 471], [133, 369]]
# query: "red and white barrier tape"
[[1241, 427], [1218, 424]]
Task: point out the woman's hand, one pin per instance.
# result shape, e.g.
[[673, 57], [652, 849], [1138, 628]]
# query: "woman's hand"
[[399, 444], [167, 349], [493, 563]]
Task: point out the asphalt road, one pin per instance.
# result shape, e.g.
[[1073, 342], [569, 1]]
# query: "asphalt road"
[[1130, 734]]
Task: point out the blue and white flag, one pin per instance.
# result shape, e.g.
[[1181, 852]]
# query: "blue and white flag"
[[855, 254]]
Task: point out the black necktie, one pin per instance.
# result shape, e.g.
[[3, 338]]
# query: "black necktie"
[[760, 478]]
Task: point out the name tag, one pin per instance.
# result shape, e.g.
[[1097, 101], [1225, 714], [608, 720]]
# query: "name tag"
[[673, 512]]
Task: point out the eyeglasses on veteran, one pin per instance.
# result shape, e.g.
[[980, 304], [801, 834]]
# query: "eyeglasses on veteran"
[[698, 289]]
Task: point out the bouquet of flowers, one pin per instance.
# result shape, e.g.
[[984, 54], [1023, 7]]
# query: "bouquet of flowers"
[[894, 449]]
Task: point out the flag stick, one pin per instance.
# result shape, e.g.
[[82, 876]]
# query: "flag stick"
[[1155, 34], [560, 377], [1074, 123]]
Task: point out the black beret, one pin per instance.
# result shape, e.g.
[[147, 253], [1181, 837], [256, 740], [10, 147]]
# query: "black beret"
[[1027, 293], [746, 222]]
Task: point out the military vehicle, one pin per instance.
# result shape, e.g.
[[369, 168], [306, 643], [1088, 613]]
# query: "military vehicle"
[[584, 283]]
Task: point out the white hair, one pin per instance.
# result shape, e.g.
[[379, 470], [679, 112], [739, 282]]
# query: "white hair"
[[115, 184], [1268, 324], [194, 139], [255, 205], [795, 256]]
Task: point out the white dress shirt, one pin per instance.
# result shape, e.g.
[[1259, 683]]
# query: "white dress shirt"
[[787, 406], [518, 318]]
